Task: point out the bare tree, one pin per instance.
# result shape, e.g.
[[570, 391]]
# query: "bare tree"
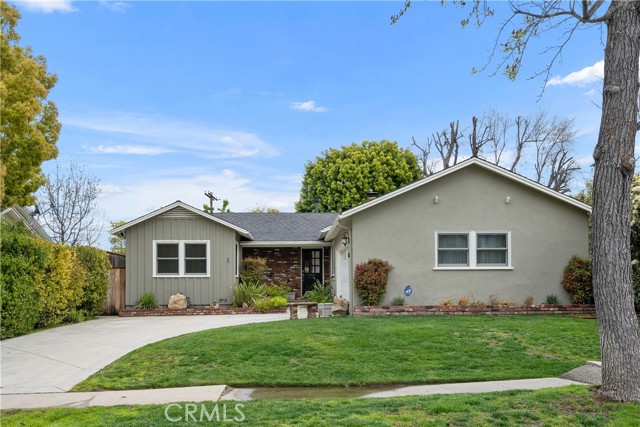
[[68, 205], [613, 155], [547, 141]]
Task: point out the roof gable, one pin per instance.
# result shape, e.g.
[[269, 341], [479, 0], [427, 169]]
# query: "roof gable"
[[20, 214], [184, 206], [473, 161]]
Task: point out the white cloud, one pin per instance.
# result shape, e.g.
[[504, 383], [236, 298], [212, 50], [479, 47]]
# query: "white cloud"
[[129, 149], [175, 135], [590, 92], [47, 6], [587, 75], [114, 5], [131, 200], [308, 106]]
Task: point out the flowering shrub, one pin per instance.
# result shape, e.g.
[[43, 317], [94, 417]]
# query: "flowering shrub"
[[576, 279], [370, 280]]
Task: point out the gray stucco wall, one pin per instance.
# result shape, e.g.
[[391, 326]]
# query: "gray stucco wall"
[[179, 224], [545, 233]]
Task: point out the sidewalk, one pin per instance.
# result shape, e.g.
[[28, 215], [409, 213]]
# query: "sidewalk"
[[217, 392]]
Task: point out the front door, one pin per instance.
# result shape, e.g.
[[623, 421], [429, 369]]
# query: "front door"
[[311, 268]]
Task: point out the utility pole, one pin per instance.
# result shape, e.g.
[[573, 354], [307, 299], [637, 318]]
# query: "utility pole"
[[212, 198]]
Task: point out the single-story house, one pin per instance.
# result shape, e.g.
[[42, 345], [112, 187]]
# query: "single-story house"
[[179, 248], [474, 229], [21, 215]]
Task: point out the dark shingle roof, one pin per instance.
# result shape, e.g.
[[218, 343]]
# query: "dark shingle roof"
[[280, 227]]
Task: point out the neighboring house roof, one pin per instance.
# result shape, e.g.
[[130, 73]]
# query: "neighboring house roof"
[[20, 214], [330, 233], [243, 232], [280, 227]]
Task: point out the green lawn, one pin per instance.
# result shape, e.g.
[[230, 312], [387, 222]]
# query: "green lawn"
[[359, 351], [564, 407]]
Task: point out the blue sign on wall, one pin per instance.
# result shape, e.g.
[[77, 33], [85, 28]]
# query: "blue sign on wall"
[[408, 291]]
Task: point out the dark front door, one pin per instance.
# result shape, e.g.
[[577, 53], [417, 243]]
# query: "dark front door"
[[311, 268]]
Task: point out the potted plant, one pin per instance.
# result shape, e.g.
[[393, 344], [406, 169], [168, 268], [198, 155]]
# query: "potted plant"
[[322, 293]]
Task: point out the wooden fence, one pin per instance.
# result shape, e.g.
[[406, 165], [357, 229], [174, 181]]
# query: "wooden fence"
[[115, 296]]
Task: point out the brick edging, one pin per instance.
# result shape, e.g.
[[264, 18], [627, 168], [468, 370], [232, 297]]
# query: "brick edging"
[[193, 311], [426, 310]]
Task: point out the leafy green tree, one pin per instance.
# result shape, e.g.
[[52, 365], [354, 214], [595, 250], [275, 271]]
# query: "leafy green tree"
[[224, 208], [117, 243], [341, 179], [261, 209], [29, 123]]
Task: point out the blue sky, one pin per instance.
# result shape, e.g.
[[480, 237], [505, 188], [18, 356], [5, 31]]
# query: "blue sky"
[[164, 100]]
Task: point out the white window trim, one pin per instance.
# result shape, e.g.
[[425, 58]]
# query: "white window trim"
[[473, 248], [181, 258]]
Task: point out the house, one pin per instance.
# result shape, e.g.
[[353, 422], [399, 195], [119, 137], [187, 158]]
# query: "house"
[[21, 215], [179, 248], [474, 229]]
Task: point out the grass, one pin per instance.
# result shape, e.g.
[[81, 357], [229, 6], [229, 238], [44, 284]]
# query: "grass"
[[563, 407], [359, 351]]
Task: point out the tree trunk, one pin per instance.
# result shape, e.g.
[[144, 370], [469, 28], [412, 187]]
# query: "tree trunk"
[[614, 167]]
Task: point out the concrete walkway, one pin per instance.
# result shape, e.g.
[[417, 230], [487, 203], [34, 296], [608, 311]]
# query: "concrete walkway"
[[54, 360], [217, 393]]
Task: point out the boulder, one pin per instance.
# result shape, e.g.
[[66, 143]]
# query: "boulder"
[[340, 306], [178, 301]]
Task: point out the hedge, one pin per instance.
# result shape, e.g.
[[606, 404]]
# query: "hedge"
[[42, 282]]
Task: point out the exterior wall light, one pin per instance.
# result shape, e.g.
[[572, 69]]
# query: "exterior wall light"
[[435, 200], [345, 239], [507, 200]]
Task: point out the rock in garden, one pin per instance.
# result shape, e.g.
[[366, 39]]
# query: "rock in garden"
[[340, 306], [178, 301]]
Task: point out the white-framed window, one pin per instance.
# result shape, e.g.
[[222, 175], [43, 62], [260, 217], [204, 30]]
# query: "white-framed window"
[[460, 250], [178, 258]]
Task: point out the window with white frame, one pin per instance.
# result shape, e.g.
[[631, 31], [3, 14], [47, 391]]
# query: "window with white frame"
[[181, 258], [471, 249]]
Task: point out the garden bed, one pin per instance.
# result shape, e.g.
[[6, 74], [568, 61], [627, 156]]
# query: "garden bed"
[[193, 311], [426, 310]]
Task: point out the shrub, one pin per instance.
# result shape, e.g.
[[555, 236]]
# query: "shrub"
[[253, 269], [576, 279], [552, 299], [636, 286], [63, 286], [463, 300], [528, 300], [277, 289], [22, 262], [75, 316], [370, 280], [147, 300], [265, 304], [507, 303], [320, 293], [446, 302], [96, 266], [493, 299], [247, 293], [397, 301]]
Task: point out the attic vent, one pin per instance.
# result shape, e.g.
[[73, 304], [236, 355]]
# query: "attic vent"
[[178, 212]]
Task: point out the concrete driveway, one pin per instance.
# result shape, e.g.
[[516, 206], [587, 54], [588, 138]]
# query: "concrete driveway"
[[57, 359]]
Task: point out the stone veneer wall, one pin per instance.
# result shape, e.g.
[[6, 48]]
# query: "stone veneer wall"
[[425, 310], [283, 265]]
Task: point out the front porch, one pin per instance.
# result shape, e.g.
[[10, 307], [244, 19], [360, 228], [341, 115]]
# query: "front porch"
[[296, 266]]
